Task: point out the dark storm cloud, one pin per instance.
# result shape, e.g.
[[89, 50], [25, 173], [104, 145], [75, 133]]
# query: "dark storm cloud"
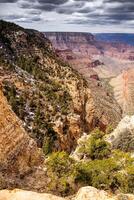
[[58, 6], [8, 1], [119, 1], [34, 12], [110, 12], [122, 8], [54, 2], [70, 8], [45, 7], [85, 0], [88, 11], [120, 17]]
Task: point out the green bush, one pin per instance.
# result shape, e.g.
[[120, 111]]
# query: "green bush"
[[97, 173], [109, 129], [115, 173], [130, 175], [96, 147], [61, 170], [60, 163]]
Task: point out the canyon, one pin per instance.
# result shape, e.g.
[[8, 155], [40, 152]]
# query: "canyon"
[[96, 59], [57, 89]]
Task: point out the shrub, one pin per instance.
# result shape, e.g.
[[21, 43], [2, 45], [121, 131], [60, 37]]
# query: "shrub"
[[61, 170], [115, 173], [109, 129], [97, 173], [47, 145], [96, 147], [130, 174]]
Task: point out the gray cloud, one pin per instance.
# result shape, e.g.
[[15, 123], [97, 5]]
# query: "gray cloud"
[[70, 8], [8, 1], [119, 1], [54, 2], [81, 12], [45, 7]]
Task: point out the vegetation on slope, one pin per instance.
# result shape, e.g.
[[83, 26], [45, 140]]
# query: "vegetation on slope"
[[111, 170], [103, 168], [37, 82]]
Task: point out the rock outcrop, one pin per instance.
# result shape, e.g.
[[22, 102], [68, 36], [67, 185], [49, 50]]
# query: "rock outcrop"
[[18, 152], [123, 136], [27, 195], [90, 193], [85, 193], [123, 90]]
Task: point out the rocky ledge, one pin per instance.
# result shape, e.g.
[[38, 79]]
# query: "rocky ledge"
[[85, 193]]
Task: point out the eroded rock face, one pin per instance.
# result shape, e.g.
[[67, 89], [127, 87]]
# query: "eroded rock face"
[[123, 90], [99, 60], [80, 48], [90, 193], [85, 193], [18, 152], [123, 136], [27, 195]]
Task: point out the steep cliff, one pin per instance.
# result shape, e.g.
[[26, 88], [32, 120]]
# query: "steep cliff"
[[18, 152], [123, 90], [65, 40], [55, 103]]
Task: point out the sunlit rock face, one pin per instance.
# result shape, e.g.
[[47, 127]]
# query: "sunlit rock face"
[[91, 193], [27, 195], [85, 193], [123, 86], [123, 136], [18, 152]]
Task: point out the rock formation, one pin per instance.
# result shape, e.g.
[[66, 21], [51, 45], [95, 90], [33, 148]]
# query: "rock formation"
[[123, 90], [99, 60], [90, 193], [21, 195], [19, 155], [123, 136], [18, 152], [86, 193]]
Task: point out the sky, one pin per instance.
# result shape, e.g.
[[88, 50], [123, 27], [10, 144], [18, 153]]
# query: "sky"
[[95, 16]]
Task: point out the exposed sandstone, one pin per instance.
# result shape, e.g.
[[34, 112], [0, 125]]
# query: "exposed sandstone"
[[27, 195], [85, 193], [18, 152], [90, 193], [124, 92]]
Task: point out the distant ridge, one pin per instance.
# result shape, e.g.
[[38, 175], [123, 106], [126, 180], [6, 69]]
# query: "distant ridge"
[[127, 38]]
